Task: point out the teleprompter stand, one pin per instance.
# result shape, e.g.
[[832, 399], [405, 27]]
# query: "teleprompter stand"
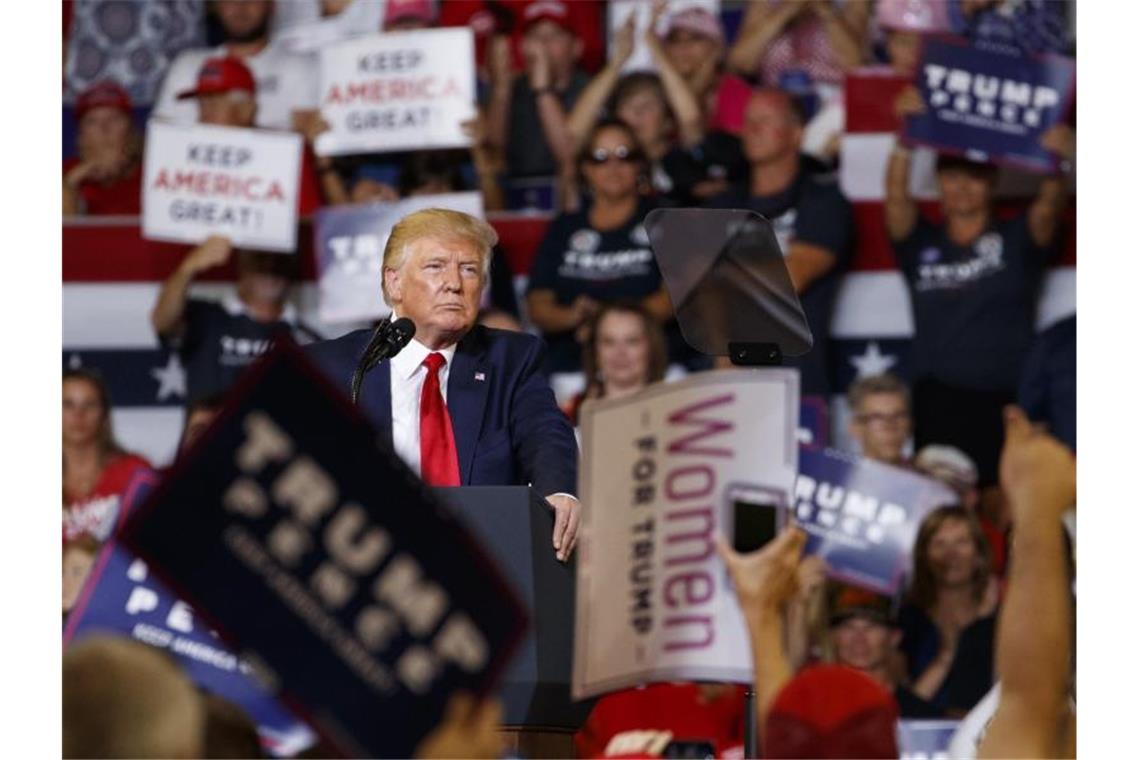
[[733, 296]]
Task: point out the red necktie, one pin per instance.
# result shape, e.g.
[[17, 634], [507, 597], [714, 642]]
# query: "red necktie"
[[439, 464]]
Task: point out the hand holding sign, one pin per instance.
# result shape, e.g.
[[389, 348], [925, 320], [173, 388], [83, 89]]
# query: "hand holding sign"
[[215, 252], [909, 103], [764, 580]]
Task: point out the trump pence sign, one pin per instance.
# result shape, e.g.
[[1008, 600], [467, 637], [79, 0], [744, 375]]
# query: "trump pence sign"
[[205, 180]]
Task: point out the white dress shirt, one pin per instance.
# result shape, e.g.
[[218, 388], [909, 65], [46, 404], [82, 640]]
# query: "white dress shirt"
[[407, 382], [408, 375]]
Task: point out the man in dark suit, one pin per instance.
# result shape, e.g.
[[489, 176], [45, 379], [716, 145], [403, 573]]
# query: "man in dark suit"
[[462, 404]]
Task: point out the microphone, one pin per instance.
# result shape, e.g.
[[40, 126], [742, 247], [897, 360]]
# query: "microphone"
[[388, 340]]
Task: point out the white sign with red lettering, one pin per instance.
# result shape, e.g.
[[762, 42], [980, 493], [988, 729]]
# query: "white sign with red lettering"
[[662, 475], [205, 180], [397, 91]]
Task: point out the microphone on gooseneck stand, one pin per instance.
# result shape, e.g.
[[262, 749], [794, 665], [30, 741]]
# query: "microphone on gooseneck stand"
[[388, 340]]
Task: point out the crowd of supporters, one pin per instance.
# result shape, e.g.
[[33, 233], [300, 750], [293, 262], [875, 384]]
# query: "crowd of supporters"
[[746, 114]]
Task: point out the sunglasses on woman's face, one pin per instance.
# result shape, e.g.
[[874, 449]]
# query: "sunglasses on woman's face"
[[620, 153]]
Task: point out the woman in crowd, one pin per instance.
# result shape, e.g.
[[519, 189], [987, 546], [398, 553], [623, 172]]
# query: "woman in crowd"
[[96, 469], [948, 619], [625, 352], [106, 177], [598, 255], [660, 108], [974, 280]]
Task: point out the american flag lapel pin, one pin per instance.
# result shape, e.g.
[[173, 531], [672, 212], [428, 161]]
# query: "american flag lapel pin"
[[480, 377]]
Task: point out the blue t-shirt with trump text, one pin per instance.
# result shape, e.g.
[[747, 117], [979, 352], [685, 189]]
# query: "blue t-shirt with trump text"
[[575, 259], [974, 305]]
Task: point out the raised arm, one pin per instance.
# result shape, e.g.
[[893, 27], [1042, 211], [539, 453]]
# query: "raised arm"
[[551, 115], [594, 96], [166, 318], [1052, 196], [846, 29], [900, 208], [311, 124], [488, 162], [1034, 660], [764, 581], [686, 107], [498, 108], [763, 22]]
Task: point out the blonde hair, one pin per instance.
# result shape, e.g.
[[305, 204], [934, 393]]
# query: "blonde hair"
[[440, 224], [122, 698]]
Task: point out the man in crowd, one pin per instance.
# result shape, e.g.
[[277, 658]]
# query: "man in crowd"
[[880, 418], [461, 404], [526, 115], [217, 341], [865, 637], [811, 218], [285, 82], [226, 96]]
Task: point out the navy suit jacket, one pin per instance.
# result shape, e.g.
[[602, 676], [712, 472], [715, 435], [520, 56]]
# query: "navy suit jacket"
[[508, 427]]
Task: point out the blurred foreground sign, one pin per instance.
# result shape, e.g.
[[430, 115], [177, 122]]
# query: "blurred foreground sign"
[[327, 564], [659, 475], [204, 180], [862, 516]]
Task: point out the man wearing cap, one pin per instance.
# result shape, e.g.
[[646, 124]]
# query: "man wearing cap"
[[284, 82], [865, 637], [973, 282], [106, 177], [527, 115], [226, 95]]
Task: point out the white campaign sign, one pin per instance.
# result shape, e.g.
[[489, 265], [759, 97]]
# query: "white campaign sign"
[[653, 598], [350, 252], [205, 180], [397, 91]]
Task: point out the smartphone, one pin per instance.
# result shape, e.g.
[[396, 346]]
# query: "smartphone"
[[757, 516]]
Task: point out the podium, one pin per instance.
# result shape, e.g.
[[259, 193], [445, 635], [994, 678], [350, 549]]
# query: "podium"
[[515, 524]]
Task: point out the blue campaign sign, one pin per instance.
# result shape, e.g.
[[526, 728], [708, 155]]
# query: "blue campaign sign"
[[862, 516], [990, 104], [327, 564], [925, 739], [121, 597]]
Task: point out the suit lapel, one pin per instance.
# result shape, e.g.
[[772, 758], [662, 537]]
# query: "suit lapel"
[[467, 384]]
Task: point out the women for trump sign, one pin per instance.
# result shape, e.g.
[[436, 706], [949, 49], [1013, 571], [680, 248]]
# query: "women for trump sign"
[[659, 474], [205, 180], [397, 91]]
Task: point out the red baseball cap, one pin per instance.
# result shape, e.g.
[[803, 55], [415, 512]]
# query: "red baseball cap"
[[832, 711], [221, 75], [105, 93], [548, 10]]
